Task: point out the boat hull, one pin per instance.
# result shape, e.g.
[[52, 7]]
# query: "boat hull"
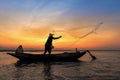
[[52, 57]]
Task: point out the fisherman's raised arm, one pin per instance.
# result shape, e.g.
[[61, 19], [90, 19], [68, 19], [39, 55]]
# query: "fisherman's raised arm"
[[57, 37]]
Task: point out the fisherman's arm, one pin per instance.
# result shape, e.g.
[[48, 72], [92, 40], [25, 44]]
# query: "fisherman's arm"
[[57, 37]]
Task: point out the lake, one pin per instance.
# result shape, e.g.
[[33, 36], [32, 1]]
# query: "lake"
[[105, 67]]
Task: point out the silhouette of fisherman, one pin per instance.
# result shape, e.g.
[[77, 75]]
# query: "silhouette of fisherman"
[[48, 44], [19, 50]]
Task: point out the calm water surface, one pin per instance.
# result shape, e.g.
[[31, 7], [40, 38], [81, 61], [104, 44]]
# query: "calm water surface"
[[105, 67]]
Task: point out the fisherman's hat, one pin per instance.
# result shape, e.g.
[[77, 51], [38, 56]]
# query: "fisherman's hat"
[[51, 34]]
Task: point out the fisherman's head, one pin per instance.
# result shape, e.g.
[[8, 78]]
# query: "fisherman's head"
[[51, 34], [20, 45]]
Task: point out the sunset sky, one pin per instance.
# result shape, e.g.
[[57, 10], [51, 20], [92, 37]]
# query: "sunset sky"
[[29, 22]]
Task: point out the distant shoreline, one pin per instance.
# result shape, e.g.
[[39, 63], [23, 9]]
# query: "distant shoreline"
[[53, 50]]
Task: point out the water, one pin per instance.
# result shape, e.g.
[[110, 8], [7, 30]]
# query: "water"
[[105, 67]]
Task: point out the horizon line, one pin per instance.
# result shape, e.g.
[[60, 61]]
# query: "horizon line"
[[37, 50]]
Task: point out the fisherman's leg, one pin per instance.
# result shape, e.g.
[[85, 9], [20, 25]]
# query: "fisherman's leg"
[[45, 51], [49, 51]]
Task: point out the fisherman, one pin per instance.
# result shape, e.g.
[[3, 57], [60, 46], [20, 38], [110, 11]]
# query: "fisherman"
[[48, 44], [19, 50]]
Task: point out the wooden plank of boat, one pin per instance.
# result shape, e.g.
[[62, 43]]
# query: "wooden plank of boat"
[[53, 57]]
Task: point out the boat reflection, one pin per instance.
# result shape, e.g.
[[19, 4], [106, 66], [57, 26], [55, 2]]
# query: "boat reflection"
[[43, 69]]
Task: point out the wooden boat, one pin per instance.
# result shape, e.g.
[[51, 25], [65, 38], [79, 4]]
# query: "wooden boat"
[[72, 56]]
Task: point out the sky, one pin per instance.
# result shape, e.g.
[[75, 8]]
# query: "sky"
[[29, 22]]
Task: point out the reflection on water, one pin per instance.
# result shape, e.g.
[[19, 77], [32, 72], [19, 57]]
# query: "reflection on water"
[[47, 75], [46, 70], [105, 67]]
